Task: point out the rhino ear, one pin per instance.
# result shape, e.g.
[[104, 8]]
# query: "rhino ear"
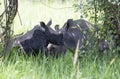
[[49, 23], [42, 24], [69, 23], [57, 27]]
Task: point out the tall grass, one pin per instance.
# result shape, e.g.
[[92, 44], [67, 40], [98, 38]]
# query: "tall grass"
[[37, 67]]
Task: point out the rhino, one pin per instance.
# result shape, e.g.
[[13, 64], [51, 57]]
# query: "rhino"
[[38, 39], [74, 30]]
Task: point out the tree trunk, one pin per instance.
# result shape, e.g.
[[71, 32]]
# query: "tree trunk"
[[11, 7]]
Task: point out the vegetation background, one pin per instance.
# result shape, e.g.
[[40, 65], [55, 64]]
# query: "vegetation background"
[[90, 64]]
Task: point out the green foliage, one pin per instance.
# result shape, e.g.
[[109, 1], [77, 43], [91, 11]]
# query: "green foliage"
[[93, 9], [87, 10], [105, 14]]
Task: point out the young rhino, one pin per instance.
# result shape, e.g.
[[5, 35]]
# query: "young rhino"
[[38, 39]]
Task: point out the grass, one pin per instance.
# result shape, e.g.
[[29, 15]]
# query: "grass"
[[90, 65]]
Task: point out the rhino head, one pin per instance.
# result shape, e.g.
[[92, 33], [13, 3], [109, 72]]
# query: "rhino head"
[[38, 39]]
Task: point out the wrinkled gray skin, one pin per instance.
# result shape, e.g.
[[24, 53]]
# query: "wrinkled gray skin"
[[38, 39], [73, 30]]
